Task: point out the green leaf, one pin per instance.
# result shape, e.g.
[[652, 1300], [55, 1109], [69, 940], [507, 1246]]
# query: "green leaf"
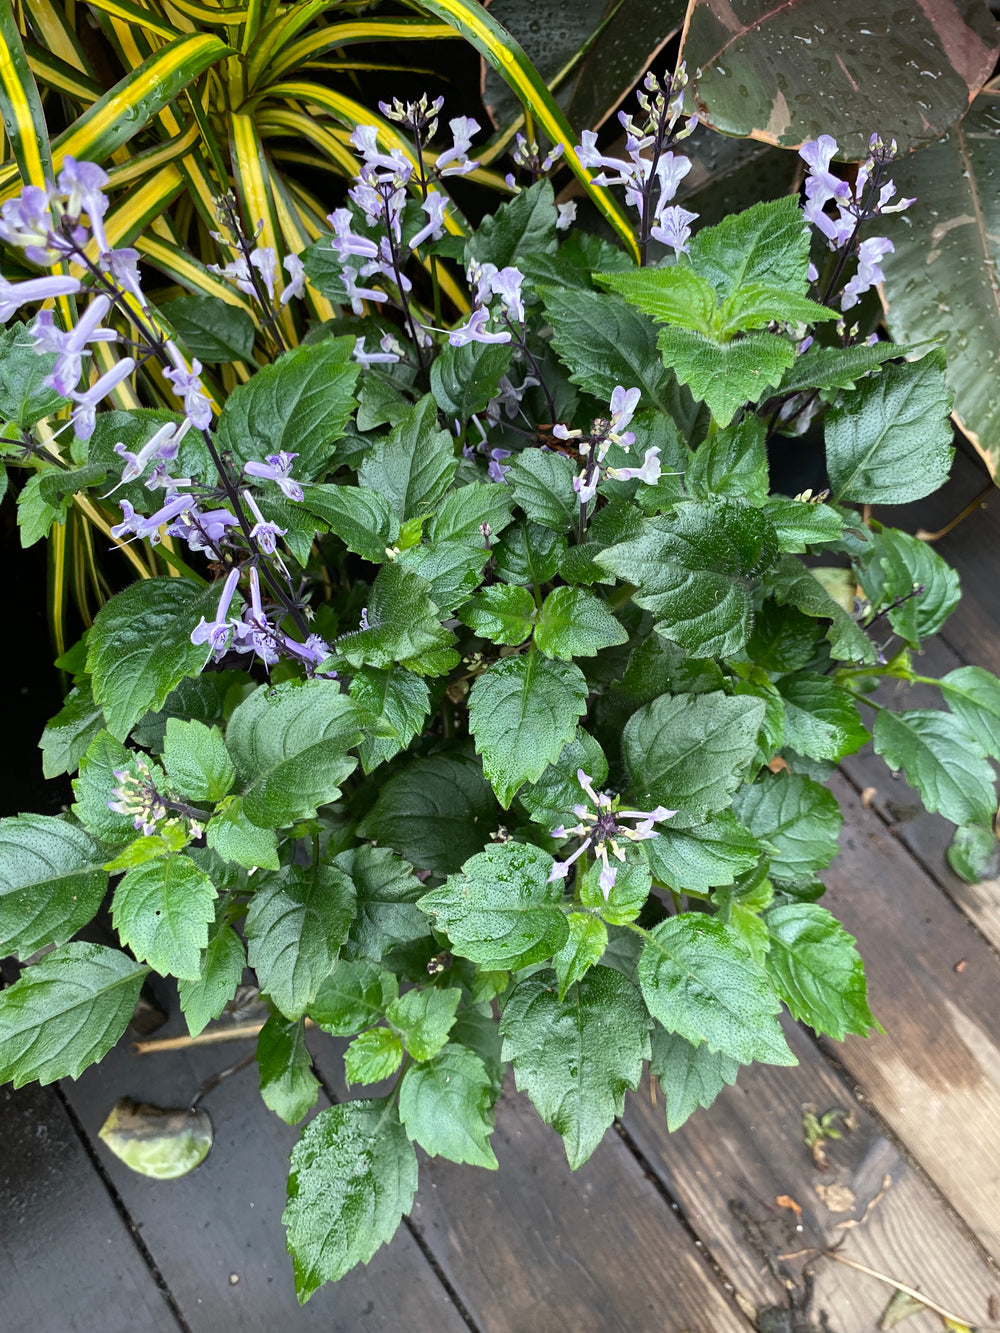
[[67, 736], [897, 566], [784, 639], [423, 1019], [463, 511], [943, 759], [696, 570], [575, 1058], [353, 1176], [768, 243], [451, 569], [585, 946], [387, 892], [287, 1084], [889, 442], [529, 553], [212, 330], [207, 698], [35, 516], [972, 852], [447, 1107], [289, 743], [574, 623], [464, 379], [550, 800], [522, 711], [676, 295], [24, 397], [689, 752], [500, 613], [835, 367], [373, 1056], [732, 462], [627, 896], [162, 910], [66, 1012], [298, 919], [413, 466], [436, 813], [500, 910], [300, 404], [821, 718], [795, 585], [236, 839], [815, 968], [604, 343], [941, 281], [93, 789], [402, 622], [57, 485], [397, 697], [726, 375], [798, 817], [708, 856], [542, 481], [757, 77], [352, 996], [196, 760], [222, 966], [139, 647], [700, 983], [525, 225], [974, 694], [51, 882], [363, 519], [803, 523], [690, 1075], [759, 304]]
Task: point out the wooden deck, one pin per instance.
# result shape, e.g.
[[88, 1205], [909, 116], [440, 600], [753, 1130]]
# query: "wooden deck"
[[672, 1234]]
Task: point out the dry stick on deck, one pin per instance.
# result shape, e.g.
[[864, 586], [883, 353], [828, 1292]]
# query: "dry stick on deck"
[[984, 494], [900, 1286], [243, 1031]]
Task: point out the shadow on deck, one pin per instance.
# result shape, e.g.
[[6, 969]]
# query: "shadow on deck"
[[693, 1232]]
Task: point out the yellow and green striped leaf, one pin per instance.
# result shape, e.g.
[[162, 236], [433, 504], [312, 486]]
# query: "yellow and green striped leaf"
[[500, 50], [21, 106], [350, 32], [142, 16], [52, 72]]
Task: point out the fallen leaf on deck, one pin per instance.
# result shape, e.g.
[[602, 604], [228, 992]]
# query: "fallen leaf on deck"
[[837, 1197], [155, 1142], [900, 1307]]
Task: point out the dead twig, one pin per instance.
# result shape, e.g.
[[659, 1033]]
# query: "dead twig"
[[241, 1032], [984, 494]]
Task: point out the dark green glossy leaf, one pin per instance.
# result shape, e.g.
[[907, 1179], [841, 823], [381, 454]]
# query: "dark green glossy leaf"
[[815, 968], [51, 882], [222, 964], [287, 1084], [446, 1106], [353, 1176], [690, 1076], [162, 910], [943, 759], [798, 817], [576, 1057], [413, 465]]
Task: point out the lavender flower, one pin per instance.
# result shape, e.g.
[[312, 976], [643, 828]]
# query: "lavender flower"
[[474, 330], [216, 632], [434, 206], [84, 412], [264, 533], [372, 358], [296, 284], [186, 384], [600, 828], [163, 445], [673, 227], [203, 530], [13, 295], [648, 472], [454, 161], [82, 185], [70, 347], [254, 633], [871, 252], [565, 215], [277, 468]]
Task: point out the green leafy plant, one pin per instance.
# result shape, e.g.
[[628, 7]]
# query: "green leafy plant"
[[773, 77], [487, 713]]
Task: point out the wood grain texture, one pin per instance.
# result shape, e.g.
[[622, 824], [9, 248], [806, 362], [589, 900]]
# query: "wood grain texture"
[[538, 1248], [67, 1260], [935, 1075], [225, 1217], [737, 1158]]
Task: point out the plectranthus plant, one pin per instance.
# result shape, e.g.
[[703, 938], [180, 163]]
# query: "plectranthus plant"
[[483, 695]]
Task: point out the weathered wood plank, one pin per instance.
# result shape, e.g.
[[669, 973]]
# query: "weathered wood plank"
[[67, 1260], [935, 1076], [536, 1246], [748, 1151], [224, 1219]]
